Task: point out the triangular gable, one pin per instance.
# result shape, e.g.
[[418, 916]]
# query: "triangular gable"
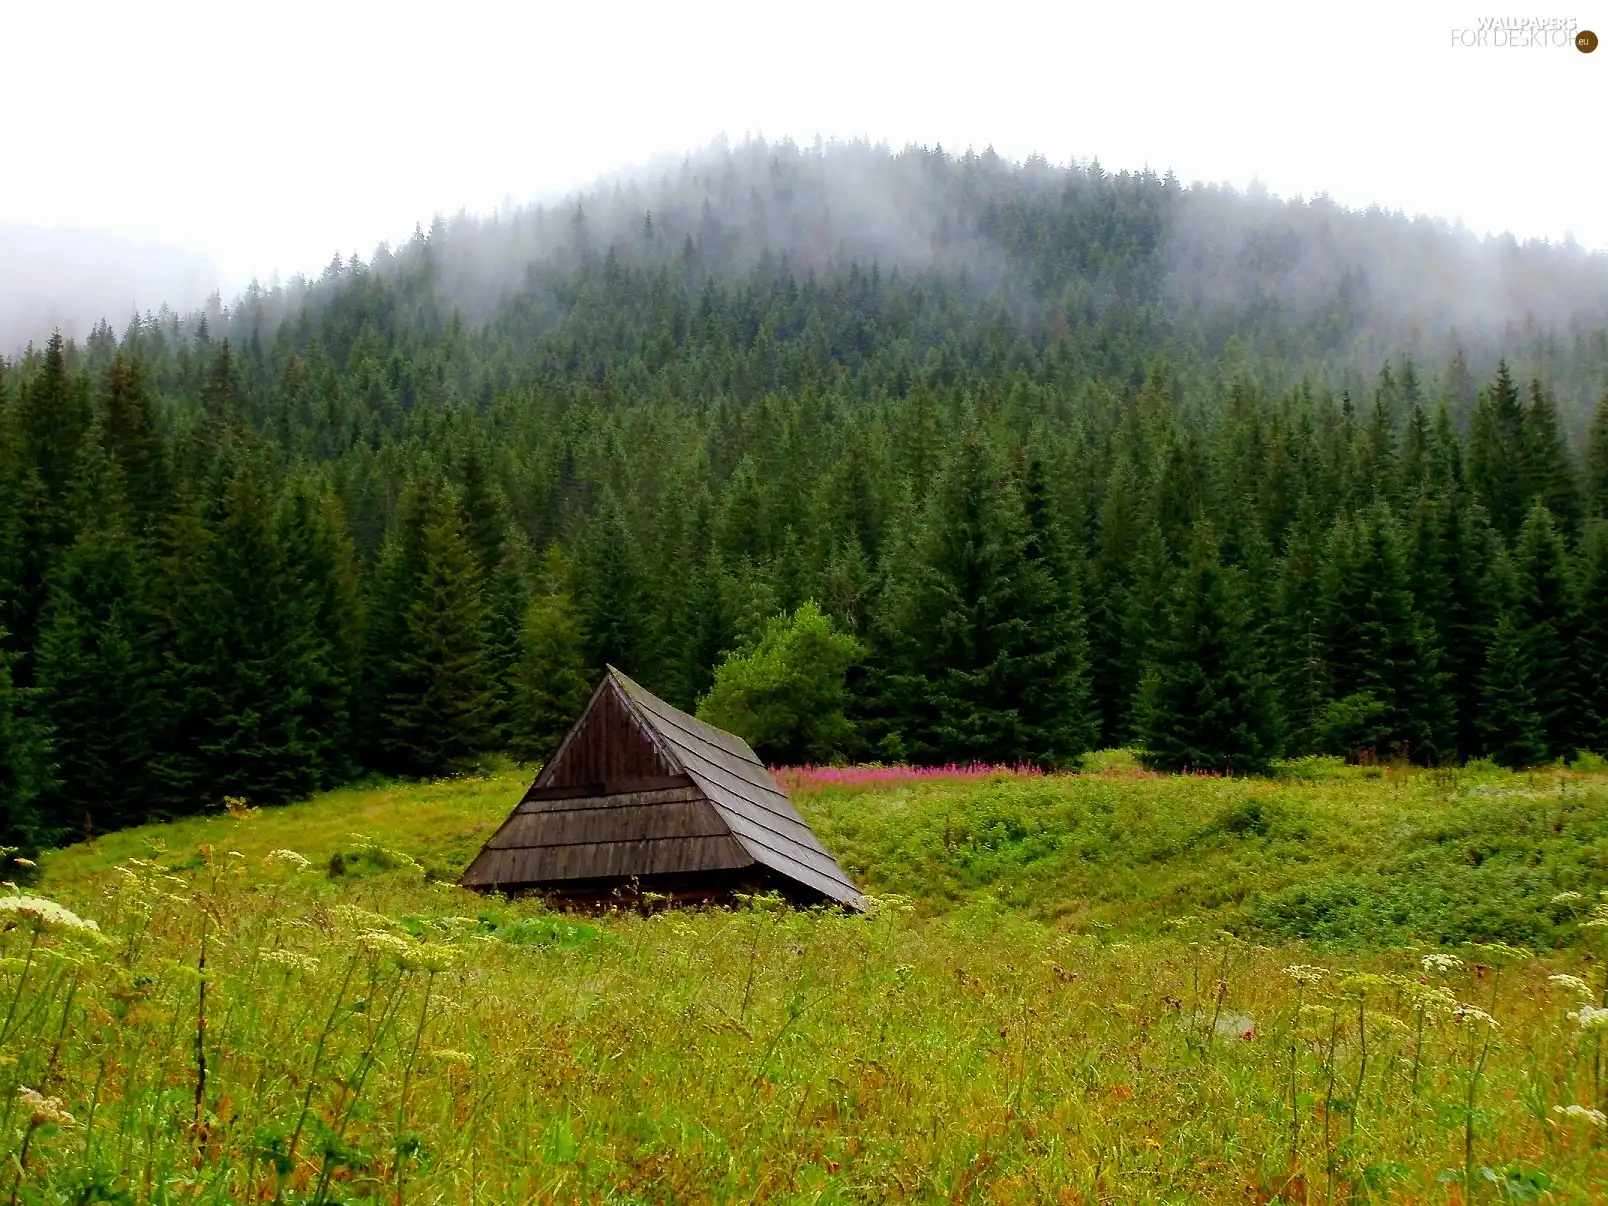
[[610, 743]]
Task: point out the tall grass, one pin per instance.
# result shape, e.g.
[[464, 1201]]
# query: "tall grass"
[[380, 1035]]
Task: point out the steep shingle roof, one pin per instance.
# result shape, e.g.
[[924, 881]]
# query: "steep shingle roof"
[[639, 790], [760, 815]]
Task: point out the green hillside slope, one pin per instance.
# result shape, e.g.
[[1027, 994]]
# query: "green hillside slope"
[[1353, 856], [1057, 1016]]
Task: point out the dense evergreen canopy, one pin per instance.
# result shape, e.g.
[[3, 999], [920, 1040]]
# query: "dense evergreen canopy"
[[1074, 459]]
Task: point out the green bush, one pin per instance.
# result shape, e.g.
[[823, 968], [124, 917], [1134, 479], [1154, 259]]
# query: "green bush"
[[785, 695]]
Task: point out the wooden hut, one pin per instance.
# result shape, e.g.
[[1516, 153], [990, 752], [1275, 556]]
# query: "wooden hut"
[[642, 797]]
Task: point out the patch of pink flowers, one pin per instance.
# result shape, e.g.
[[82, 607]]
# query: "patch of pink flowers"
[[802, 778]]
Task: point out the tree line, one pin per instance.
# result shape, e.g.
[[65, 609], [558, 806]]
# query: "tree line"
[[374, 539]]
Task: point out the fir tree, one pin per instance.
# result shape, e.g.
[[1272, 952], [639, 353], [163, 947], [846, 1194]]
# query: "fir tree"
[[1381, 662], [1206, 703], [133, 439], [1510, 724], [552, 681], [239, 654], [438, 716], [24, 768], [326, 599], [611, 592], [95, 663], [1544, 609], [962, 615], [1058, 720], [1497, 454], [1597, 461], [1549, 472], [1591, 669]]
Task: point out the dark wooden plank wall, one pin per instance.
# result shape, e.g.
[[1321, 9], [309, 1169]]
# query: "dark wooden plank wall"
[[609, 743], [530, 866], [679, 812], [635, 833]]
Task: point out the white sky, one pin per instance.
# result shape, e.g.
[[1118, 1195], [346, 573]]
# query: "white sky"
[[269, 134]]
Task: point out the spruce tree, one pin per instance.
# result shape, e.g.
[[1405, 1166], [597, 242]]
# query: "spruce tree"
[[391, 590], [134, 441], [1381, 661], [1452, 552], [1113, 670], [24, 767], [1544, 608], [1056, 712], [324, 595], [239, 652], [438, 717], [1591, 670], [612, 592], [1298, 633], [1510, 725], [1206, 703], [552, 681], [54, 414], [96, 664], [1597, 461], [963, 614], [1549, 472], [506, 558], [1497, 454]]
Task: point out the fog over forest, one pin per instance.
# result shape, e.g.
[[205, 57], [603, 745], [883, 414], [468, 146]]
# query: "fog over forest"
[[1337, 284], [72, 279]]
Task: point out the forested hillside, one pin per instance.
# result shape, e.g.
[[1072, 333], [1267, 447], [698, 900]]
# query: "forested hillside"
[[1079, 459]]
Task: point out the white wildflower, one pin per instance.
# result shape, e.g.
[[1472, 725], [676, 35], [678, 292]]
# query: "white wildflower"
[[1305, 973], [1572, 983], [1564, 897], [355, 917], [1433, 1000], [431, 956], [293, 960], [1583, 1113], [381, 942], [1473, 1013], [46, 913], [1591, 1017], [289, 859], [24, 862], [42, 1109], [448, 1056], [1440, 961]]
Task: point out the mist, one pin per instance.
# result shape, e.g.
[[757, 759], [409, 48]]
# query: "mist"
[[1366, 284], [73, 279], [1408, 283]]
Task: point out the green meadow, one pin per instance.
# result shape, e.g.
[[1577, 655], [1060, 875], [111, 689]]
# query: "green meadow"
[[1337, 984]]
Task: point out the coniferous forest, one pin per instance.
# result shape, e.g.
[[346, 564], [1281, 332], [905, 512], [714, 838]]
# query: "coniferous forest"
[[1064, 459]]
